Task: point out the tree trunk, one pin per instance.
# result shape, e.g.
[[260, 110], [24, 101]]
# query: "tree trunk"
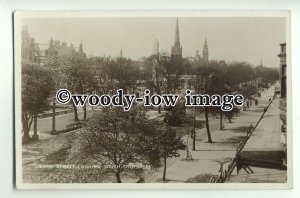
[[165, 158], [84, 112], [165, 168], [221, 120], [26, 136], [35, 124], [75, 112], [26, 121], [159, 109], [207, 125], [118, 176], [229, 116]]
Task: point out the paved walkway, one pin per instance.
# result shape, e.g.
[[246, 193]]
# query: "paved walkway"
[[265, 139], [260, 175], [267, 131], [209, 156]]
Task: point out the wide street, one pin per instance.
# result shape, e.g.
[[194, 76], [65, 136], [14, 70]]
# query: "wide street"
[[206, 159]]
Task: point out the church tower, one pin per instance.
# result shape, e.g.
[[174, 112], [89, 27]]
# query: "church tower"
[[205, 52], [156, 47], [80, 51], [176, 54], [197, 56], [155, 61]]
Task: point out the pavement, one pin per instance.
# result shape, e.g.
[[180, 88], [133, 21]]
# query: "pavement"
[[209, 156], [44, 125], [260, 175], [268, 130], [264, 142]]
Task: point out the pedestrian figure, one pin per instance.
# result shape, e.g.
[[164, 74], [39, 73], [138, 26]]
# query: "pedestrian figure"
[[251, 127], [189, 156], [222, 126], [221, 170], [141, 180]]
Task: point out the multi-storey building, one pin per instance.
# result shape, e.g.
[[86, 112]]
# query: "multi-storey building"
[[57, 48], [30, 52], [283, 90], [282, 70]]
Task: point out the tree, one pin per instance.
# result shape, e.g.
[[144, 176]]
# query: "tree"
[[157, 77], [101, 68], [177, 114], [171, 75], [204, 86], [117, 138], [79, 79], [37, 86], [239, 72], [220, 85], [265, 75], [168, 145], [125, 72]]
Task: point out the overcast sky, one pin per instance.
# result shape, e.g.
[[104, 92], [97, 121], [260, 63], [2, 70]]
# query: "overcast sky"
[[240, 38]]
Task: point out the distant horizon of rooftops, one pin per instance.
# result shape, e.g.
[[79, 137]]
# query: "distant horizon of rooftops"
[[240, 39]]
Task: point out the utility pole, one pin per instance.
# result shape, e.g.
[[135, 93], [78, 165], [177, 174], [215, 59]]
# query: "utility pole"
[[194, 121], [194, 130]]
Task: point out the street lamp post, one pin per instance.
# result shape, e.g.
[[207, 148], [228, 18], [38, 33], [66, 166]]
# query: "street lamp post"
[[194, 130], [53, 132], [35, 135]]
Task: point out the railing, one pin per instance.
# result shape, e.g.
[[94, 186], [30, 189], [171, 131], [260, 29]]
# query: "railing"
[[50, 114], [225, 174]]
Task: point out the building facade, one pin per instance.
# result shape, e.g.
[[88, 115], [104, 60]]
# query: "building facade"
[[282, 70], [30, 52], [283, 92], [57, 48]]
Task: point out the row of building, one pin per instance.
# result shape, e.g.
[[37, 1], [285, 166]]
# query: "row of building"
[[31, 54]]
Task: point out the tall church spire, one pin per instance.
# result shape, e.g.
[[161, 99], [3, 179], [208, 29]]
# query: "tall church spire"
[[177, 40], [205, 51], [176, 52]]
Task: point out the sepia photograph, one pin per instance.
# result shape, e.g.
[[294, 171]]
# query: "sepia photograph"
[[153, 100]]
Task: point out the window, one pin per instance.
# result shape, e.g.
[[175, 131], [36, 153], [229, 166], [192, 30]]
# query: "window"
[[283, 72]]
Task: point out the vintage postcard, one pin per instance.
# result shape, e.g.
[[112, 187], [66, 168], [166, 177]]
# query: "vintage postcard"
[[153, 100]]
